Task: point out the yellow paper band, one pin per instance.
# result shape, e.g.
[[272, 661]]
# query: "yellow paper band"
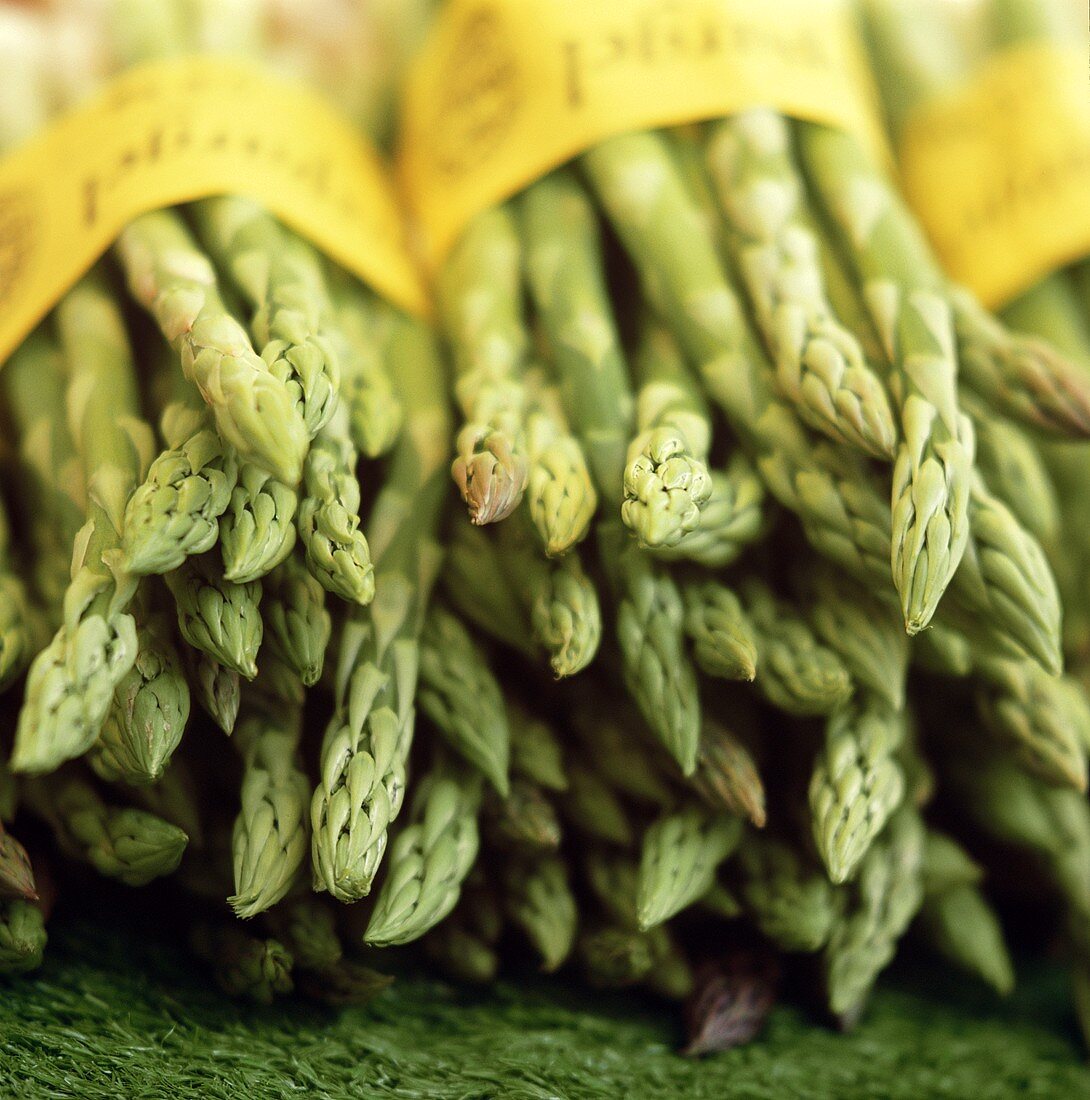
[[175, 131], [999, 171], [506, 90]]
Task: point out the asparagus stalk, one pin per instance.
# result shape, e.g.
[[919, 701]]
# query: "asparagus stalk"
[[563, 258], [218, 616], [245, 966], [666, 479], [536, 753], [539, 900], [150, 709], [856, 784], [175, 513], [906, 297], [680, 853], [366, 744], [522, 599], [22, 936], [51, 480], [462, 697], [361, 335], [293, 609], [479, 303], [216, 689], [16, 873], [880, 904], [269, 841], [281, 280], [257, 530], [15, 626], [650, 630], [1014, 469], [820, 365], [524, 821], [789, 900], [129, 845], [723, 638], [863, 631], [71, 682], [726, 775], [430, 858], [560, 495], [336, 550], [253, 409], [797, 673], [1045, 719]]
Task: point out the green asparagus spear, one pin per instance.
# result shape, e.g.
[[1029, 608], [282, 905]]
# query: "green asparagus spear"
[[724, 641], [336, 549], [880, 904], [15, 626], [564, 269], [361, 334], [51, 482], [71, 682], [1046, 719], [864, 631], [171, 278], [789, 900], [565, 615], [680, 853], [257, 530], [666, 479], [22, 936], [269, 842], [1014, 469], [539, 900], [129, 845], [479, 304], [650, 626], [366, 744], [218, 616], [955, 918], [560, 494], [216, 689], [796, 672], [593, 807], [176, 511], [295, 616], [150, 710], [820, 365], [16, 873], [281, 279], [462, 697], [245, 966], [857, 783], [726, 775], [536, 753], [430, 859], [906, 296]]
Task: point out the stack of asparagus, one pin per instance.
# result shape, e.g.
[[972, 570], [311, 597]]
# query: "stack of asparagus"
[[743, 649]]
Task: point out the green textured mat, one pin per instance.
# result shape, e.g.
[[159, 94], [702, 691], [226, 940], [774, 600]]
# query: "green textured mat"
[[110, 1018]]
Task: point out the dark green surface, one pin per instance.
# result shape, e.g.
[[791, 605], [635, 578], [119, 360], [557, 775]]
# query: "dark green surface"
[[107, 1019]]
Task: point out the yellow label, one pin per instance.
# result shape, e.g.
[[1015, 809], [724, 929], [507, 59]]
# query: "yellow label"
[[506, 90], [175, 131], [999, 171]]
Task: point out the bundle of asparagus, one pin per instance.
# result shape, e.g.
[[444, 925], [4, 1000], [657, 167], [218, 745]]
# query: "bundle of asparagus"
[[743, 654]]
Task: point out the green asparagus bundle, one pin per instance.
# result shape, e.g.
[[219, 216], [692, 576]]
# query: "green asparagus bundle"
[[800, 642]]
